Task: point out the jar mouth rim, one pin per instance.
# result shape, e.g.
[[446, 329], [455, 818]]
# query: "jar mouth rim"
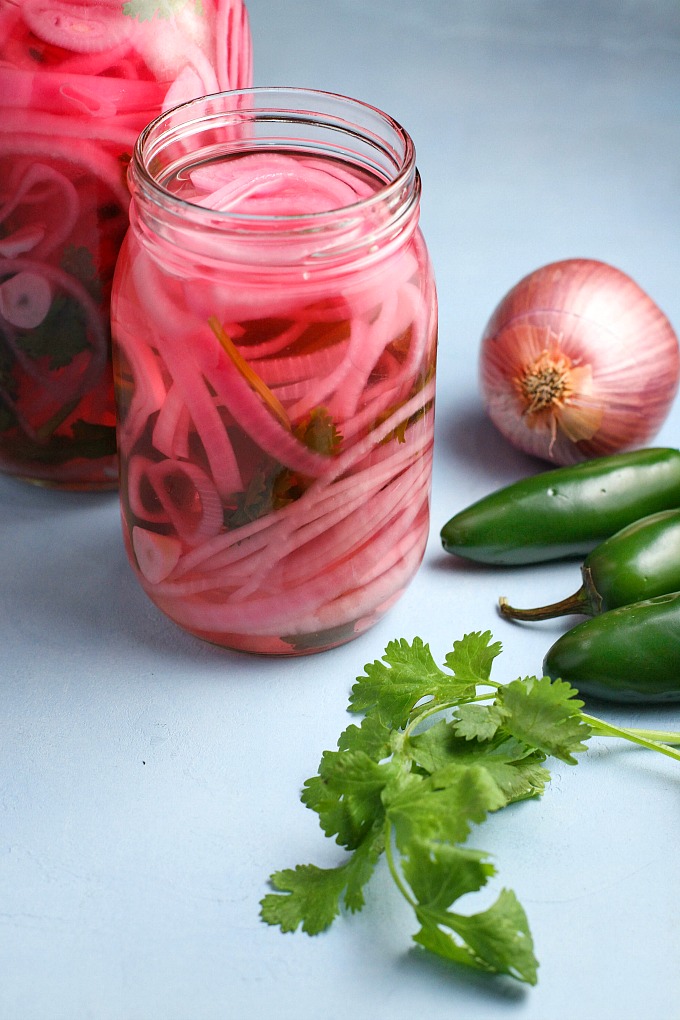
[[303, 104]]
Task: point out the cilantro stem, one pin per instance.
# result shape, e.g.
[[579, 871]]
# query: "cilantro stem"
[[392, 865], [434, 707], [660, 736], [641, 737], [50, 427]]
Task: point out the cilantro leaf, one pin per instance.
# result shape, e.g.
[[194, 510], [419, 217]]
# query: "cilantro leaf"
[[79, 262], [311, 897], [8, 417], [396, 683], [472, 658], [500, 937], [87, 439], [60, 336], [478, 722], [318, 431], [497, 940], [64, 332], [516, 769], [347, 794], [443, 806], [273, 486], [372, 736], [360, 867], [145, 10], [330, 636], [545, 714], [520, 780], [439, 874]]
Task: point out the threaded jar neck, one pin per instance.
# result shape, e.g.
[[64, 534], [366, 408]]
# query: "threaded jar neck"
[[277, 123]]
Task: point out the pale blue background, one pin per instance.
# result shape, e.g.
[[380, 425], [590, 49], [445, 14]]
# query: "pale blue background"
[[149, 783]]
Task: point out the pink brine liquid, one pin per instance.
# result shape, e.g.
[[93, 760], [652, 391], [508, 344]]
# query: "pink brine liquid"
[[275, 415], [78, 82]]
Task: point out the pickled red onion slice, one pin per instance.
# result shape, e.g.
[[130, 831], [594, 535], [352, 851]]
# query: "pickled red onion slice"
[[25, 299], [22, 240], [86, 28], [156, 554], [177, 492], [276, 185]]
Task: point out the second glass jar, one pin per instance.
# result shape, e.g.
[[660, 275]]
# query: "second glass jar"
[[78, 82], [274, 336]]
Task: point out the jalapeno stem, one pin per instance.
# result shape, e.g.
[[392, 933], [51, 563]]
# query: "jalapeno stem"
[[641, 737], [587, 601], [578, 603]]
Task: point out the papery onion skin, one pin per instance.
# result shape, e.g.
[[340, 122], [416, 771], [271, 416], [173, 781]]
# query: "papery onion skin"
[[577, 361]]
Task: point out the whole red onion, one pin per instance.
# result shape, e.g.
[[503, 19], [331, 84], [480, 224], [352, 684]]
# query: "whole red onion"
[[577, 361]]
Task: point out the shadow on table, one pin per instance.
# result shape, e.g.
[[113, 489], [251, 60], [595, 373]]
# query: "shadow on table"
[[469, 440], [68, 583]]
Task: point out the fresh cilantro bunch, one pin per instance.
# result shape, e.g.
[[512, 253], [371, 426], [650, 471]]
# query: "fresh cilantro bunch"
[[435, 753]]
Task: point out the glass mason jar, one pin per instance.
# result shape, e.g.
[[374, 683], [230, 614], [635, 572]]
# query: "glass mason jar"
[[78, 82], [274, 336]]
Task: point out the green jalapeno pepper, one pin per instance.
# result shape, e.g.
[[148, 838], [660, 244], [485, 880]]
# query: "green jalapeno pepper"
[[639, 562], [627, 654], [567, 511]]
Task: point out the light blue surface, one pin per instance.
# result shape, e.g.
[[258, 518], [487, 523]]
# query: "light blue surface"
[[149, 783]]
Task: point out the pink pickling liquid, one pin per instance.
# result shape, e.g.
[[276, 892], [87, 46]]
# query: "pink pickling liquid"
[[78, 82], [281, 507]]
